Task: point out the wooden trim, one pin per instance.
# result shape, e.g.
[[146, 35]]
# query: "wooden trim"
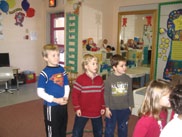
[[154, 34]]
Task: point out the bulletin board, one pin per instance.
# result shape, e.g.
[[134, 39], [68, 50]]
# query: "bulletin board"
[[72, 41], [169, 40]]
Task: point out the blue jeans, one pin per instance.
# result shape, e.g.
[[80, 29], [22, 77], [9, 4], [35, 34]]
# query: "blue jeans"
[[121, 118], [80, 123]]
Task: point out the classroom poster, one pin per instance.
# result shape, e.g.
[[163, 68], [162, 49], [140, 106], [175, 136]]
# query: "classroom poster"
[[72, 41], [169, 43]]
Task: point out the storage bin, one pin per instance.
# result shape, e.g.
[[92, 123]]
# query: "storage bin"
[[30, 78]]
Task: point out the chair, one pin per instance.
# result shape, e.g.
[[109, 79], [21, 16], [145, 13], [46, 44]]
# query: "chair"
[[6, 74], [71, 75]]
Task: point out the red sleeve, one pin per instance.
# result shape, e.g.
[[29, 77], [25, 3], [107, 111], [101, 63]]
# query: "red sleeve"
[[76, 91], [102, 99]]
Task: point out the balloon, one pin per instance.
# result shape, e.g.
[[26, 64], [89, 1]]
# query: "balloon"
[[30, 12], [4, 6], [11, 3], [25, 5]]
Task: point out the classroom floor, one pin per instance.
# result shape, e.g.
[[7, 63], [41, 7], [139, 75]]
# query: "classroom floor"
[[26, 92]]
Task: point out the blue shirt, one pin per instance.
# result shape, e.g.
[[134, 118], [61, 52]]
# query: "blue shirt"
[[53, 80]]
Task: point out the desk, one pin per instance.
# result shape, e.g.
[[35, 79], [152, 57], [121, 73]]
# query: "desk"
[[139, 72]]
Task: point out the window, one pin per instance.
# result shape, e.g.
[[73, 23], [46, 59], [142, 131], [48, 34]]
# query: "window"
[[57, 33]]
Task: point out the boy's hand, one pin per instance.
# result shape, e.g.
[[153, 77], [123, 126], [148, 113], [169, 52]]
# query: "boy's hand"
[[130, 109], [108, 113], [102, 111], [61, 101], [78, 113]]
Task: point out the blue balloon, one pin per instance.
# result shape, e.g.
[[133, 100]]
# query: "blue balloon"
[[4, 6], [25, 5]]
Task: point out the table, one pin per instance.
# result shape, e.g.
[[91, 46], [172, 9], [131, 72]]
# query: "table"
[[139, 72]]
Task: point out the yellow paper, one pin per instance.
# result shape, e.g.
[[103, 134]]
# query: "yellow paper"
[[178, 23], [176, 50]]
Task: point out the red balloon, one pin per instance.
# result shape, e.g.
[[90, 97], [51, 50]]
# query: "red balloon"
[[30, 12]]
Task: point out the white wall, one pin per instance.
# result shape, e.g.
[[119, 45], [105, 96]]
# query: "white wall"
[[24, 54], [94, 21]]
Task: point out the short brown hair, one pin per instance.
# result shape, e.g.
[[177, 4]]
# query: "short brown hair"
[[115, 59], [47, 47]]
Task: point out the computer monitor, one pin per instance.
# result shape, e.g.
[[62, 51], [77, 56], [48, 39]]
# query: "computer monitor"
[[4, 60]]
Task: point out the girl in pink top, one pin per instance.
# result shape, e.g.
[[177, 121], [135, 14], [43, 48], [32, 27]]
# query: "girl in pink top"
[[156, 98]]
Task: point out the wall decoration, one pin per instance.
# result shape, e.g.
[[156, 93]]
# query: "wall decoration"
[[76, 7], [72, 41], [15, 10], [52, 3], [22, 11], [30, 12], [1, 26], [19, 18], [89, 45], [147, 36], [11, 3], [26, 34], [25, 5], [149, 20], [4, 6], [70, 1], [169, 40], [124, 22], [19, 14], [33, 35]]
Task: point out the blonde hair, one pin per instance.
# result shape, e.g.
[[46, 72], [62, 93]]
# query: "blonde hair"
[[86, 59], [155, 90], [49, 47]]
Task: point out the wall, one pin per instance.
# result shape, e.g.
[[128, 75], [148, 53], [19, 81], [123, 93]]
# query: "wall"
[[24, 54], [108, 14], [97, 19], [94, 21], [130, 5]]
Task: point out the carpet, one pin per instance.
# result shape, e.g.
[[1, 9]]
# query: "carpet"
[[26, 120], [22, 120]]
